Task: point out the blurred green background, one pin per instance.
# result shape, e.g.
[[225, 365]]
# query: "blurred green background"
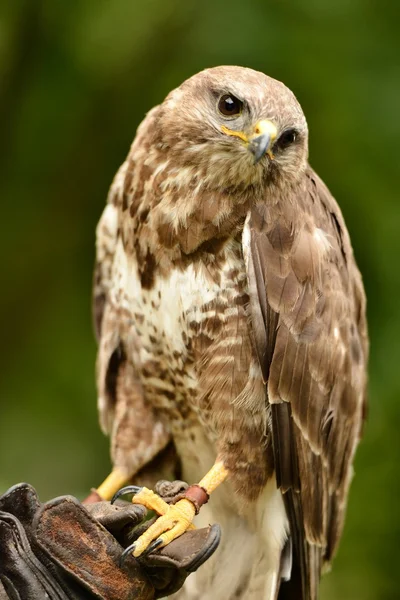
[[76, 78]]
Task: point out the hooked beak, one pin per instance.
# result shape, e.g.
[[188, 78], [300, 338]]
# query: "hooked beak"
[[260, 141], [265, 134]]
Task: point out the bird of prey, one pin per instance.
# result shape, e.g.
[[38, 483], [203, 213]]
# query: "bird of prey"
[[231, 320]]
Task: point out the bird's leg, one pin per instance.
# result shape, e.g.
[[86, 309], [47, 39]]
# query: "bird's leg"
[[176, 518], [115, 480]]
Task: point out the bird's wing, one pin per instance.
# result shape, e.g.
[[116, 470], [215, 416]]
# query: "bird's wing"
[[110, 353], [106, 242], [108, 230], [123, 411], [308, 319]]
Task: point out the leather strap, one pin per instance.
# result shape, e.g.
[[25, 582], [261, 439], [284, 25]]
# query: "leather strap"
[[197, 496]]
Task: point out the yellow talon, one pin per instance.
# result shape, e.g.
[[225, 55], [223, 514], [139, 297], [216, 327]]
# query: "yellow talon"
[[151, 501], [176, 518], [171, 525]]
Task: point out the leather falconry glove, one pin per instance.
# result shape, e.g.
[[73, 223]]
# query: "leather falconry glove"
[[62, 550]]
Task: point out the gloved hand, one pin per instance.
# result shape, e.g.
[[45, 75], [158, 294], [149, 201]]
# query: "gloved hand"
[[62, 550]]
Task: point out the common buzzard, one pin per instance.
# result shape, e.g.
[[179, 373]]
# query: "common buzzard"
[[231, 320]]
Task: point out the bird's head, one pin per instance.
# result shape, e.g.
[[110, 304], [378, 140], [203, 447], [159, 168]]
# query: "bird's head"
[[235, 126]]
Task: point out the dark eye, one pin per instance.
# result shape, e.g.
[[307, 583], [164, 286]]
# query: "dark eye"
[[229, 106], [288, 137]]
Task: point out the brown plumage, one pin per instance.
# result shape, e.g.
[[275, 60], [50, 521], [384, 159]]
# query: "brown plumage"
[[231, 320]]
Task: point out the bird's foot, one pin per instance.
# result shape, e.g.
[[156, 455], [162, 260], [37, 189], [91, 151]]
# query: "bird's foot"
[[176, 518], [173, 521], [145, 497]]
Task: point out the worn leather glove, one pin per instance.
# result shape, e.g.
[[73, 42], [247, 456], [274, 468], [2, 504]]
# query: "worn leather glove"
[[63, 550]]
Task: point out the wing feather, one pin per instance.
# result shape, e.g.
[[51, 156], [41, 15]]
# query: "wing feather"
[[110, 353], [106, 243], [308, 316]]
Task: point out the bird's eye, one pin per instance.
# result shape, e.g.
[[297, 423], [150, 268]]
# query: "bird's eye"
[[288, 137], [230, 106]]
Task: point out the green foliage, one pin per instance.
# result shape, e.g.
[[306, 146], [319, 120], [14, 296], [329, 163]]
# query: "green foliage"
[[76, 78]]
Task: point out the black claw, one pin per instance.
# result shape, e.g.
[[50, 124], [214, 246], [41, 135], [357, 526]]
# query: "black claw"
[[129, 489], [153, 546], [128, 551]]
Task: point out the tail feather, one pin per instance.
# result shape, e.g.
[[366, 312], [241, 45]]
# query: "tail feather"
[[292, 589], [307, 558]]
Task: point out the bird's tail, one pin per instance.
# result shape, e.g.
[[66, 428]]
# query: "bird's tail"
[[296, 588]]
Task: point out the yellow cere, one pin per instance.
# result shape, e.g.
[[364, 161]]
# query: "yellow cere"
[[266, 126], [262, 127]]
